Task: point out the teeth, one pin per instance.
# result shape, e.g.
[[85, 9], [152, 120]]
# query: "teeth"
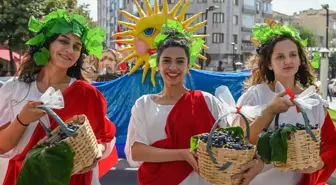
[[170, 74]]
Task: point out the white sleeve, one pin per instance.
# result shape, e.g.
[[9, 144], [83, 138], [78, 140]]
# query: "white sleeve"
[[216, 108], [6, 92], [249, 97], [136, 132]]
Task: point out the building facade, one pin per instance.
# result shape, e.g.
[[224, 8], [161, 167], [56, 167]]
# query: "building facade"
[[108, 17], [229, 27]]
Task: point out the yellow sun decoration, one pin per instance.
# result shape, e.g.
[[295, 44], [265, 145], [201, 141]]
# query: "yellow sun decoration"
[[143, 30]]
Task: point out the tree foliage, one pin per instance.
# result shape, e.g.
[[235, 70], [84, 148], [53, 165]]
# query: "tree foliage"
[[15, 14], [307, 33]]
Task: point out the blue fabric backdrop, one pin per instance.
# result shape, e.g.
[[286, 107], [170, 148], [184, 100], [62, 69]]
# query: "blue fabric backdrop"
[[122, 93]]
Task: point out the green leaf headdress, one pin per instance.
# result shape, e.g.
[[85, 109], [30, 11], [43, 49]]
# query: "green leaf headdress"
[[175, 27], [264, 33], [58, 22]]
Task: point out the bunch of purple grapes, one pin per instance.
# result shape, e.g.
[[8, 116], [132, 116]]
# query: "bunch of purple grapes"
[[72, 126], [225, 139], [299, 126]]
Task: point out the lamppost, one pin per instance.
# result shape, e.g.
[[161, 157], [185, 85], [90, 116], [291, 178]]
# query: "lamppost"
[[233, 56], [326, 7], [210, 8]]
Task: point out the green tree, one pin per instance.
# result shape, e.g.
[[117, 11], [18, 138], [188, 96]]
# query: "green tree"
[[307, 33], [15, 14]]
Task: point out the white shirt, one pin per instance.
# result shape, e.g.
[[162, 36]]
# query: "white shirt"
[[13, 96], [147, 125], [260, 95]]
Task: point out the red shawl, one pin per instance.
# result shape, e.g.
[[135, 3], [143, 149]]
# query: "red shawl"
[[328, 153], [190, 116], [79, 98]]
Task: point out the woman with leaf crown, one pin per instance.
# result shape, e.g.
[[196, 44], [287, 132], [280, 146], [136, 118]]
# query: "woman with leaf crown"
[[281, 63], [161, 125], [55, 60]]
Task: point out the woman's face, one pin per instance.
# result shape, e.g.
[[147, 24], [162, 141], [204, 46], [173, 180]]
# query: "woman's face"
[[65, 51], [285, 60], [173, 65]]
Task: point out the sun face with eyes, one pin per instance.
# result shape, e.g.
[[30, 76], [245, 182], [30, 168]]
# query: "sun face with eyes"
[[143, 30]]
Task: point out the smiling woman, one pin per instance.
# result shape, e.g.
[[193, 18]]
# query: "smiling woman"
[[55, 60]]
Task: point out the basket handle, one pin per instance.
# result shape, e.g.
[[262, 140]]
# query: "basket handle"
[[209, 142], [305, 118], [69, 132]]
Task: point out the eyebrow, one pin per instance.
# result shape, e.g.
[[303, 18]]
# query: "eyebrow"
[[180, 58], [70, 39]]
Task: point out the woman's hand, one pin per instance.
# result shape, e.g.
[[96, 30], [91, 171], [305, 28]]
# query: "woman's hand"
[[101, 150], [280, 104], [312, 169], [190, 157], [249, 171], [30, 112]]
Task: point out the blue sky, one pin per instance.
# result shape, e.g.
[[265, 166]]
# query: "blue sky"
[[283, 6]]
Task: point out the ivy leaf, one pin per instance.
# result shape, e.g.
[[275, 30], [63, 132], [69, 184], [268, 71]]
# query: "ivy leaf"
[[264, 148], [194, 143], [47, 165]]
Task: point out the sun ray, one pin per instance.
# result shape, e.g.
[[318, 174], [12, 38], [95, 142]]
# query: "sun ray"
[[124, 34], [201, 57], [196, 27], [153, 73], [137, 65], [129, 57], [183, 11], [129, 16], [205, 47], [148, 8], [156, 6], [125, 41], [145, 71], [200, 36], [176, 8], [165, 7], [140, 11], [187, 22], [128, 25], [125, 49]]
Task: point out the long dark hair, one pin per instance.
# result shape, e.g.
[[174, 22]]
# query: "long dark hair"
[[29, 70], [260, 62]]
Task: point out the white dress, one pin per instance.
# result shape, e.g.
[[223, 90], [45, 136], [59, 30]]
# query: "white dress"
[[147, 125], [13, 96], [261, 94]]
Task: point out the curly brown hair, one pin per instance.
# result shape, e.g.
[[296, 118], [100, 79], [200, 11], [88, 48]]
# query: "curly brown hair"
[[260, 62], [29, 70]]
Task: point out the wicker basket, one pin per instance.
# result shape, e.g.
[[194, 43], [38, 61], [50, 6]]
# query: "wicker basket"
[[303, 152], [83, 142], [218, 165], [303, 148]]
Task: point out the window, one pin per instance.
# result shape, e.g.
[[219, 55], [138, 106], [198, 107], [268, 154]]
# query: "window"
[[218, 1], [202, 1], [217, 38], [249, 2], [188, 15], [201, 18], [267, 7], [218, 17], [248, 21], [171, 1], [235, 19], [258, 6], [236, 2], [235, 39]]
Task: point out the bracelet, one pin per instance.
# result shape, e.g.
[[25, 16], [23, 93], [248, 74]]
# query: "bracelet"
[[25, 125]]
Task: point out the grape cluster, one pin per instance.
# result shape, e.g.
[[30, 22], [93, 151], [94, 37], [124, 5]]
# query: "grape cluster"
[[225, 139], [301, 126]]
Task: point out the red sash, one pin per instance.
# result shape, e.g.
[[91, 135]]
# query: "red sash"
[[190, 116], [94, 107], [328, 153]]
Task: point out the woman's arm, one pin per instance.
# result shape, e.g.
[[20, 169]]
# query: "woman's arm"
[[146, 153]]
